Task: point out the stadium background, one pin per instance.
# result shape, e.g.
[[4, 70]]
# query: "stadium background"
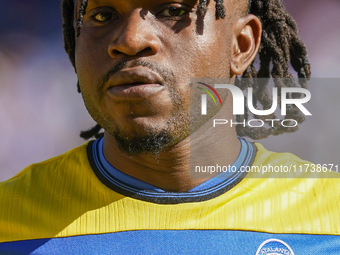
[[41, 113]]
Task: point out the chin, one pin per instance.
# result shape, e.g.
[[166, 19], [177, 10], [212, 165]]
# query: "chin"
[[142, 143], [143, 136]]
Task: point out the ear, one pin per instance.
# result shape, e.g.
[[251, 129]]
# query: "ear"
[[245, 43]]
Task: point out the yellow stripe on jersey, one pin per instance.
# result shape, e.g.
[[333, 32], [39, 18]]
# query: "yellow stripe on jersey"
[[63, 197]]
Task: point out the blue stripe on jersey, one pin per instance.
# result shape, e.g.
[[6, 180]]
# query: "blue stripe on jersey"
[[245, 151], [246, 157], [177, 242], [120, 176]]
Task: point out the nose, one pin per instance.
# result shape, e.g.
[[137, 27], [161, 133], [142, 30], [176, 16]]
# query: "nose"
[[136, 36]]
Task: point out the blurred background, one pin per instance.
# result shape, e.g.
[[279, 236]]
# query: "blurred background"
[[41, 112]]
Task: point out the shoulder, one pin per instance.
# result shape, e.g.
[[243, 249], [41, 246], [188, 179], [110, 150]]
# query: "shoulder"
[[297, 199], [46, 171], [288, 165], [266, 156], [33, 203]]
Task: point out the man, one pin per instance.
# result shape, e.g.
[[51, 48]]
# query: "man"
[[131, 191]]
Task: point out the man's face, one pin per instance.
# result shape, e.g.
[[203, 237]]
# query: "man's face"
[[134, 61]]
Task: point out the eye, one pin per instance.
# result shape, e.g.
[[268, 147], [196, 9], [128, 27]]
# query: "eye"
[[173, 12], [103, 16]]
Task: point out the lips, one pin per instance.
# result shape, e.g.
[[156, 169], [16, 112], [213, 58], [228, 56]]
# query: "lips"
[[136, 82]]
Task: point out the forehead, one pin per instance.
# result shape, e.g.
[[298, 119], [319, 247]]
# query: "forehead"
[[238, 5], [233, 7], [136, 2]]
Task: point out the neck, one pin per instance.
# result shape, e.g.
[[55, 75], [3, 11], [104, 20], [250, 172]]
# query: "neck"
[[172, 169]]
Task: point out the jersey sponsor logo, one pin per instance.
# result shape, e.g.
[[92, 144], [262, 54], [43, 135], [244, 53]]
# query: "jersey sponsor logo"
[[274, 247]]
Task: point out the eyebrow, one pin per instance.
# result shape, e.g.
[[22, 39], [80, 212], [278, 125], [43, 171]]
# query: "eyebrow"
[[201, 10]]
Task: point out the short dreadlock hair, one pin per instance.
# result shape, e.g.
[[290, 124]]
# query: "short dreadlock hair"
[[280, 45]]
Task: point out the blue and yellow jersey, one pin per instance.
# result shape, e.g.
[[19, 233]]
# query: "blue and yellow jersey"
[[76, 204]]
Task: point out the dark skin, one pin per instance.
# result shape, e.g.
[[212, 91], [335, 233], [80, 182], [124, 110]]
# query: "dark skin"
[[164, 45]]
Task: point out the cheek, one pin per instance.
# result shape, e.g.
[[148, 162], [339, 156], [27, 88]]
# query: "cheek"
[[215, 54], [88, 56], [202, 56], [88, 76], [201, 59]]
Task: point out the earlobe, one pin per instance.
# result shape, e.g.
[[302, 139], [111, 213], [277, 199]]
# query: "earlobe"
[[245, 43]]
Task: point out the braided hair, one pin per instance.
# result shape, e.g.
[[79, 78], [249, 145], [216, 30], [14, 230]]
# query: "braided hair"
[[280, 45]]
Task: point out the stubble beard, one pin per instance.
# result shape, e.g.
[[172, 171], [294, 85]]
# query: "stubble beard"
[[154, 140], [146, 139], [151, 140]]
